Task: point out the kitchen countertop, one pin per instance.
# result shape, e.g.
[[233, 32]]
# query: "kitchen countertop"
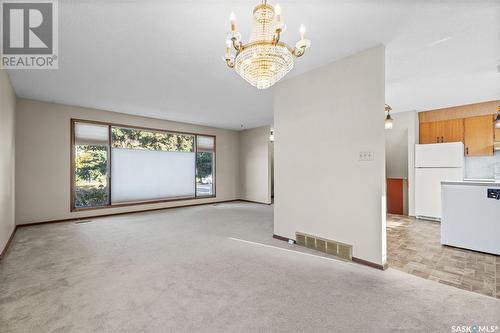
[[475, 182]]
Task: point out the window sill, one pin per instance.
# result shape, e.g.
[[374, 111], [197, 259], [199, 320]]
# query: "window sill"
[[141, 203]]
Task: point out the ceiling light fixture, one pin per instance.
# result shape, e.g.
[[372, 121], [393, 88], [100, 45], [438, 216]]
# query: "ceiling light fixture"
[[497, 120], [264, 60], [389, 122]]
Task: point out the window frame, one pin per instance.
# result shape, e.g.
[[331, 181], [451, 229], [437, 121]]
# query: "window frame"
[[196, 167], [73, 208]]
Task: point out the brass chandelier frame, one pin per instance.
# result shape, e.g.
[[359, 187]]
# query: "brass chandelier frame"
[[239, 46]]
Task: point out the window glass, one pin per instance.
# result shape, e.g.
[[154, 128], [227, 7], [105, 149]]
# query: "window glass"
[[151, 140], [91, 165], [205, 158]]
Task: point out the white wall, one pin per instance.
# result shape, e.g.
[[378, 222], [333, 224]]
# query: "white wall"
[[255, 165], [396, 153], [396, 159], [403, 136], [43, 160], [271, 157], [7, 158], [323, 119]]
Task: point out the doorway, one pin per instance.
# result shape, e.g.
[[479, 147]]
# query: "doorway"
[[396, 161]]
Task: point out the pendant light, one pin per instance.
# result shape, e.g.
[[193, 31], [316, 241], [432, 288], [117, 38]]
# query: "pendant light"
[[389, 122]]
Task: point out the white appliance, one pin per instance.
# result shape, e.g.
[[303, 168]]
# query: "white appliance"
[[497, 171], [435, 163], [470, 216]]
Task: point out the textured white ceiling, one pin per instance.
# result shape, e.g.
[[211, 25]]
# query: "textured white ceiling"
[[163, 58]]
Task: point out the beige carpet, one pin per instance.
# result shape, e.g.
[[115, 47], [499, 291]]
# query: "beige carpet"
[[205, 269]]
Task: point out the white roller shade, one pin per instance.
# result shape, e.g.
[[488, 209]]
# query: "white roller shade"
[[91, 134], [139, 175], [205, 143]]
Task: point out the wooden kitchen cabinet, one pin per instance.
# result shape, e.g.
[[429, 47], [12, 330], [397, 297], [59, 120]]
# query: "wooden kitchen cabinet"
[[452, 130], [442, 131], [429, 132], [471, 124], [479, 136]]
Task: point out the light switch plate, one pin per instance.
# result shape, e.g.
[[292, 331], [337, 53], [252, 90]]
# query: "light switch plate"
[[365, 156]]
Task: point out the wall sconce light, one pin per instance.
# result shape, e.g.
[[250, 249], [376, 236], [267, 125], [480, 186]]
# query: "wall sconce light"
[[389, 122]]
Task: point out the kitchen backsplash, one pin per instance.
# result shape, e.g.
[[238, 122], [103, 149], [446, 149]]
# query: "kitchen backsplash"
[[481, 167]]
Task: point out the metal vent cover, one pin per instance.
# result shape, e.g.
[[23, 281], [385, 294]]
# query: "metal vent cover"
[[300, 240], [327, 246], [311, 242]]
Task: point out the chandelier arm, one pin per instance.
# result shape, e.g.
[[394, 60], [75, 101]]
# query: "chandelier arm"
[[237, 45], [299, 52], [276, 37], [230, 63]]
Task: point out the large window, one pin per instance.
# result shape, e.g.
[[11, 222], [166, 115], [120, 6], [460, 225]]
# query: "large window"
[[120, 165]]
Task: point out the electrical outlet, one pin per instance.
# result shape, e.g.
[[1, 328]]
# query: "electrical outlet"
[[365, 156]]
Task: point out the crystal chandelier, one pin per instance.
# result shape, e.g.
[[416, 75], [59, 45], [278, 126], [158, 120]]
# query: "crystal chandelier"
[[264, 60]]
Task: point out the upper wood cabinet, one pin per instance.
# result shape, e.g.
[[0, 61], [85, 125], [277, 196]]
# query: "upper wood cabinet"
[[429, 132], [442, 131], [452, 130], [471, 124], [479, 136]]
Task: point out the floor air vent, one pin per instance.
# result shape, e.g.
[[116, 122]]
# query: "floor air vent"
[[300, 239], [334, 248]]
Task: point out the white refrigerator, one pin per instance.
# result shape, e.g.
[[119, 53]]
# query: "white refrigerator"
[[435, 163]]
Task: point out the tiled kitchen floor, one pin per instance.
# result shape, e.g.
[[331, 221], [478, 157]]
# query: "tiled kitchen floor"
[[413, 246]]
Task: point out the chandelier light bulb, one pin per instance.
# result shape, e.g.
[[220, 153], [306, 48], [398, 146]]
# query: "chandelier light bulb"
[[277, 12], [232, 19], [277, 9], [302, 31]]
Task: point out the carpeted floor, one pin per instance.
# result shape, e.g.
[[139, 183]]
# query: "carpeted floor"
[[211, 269]]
